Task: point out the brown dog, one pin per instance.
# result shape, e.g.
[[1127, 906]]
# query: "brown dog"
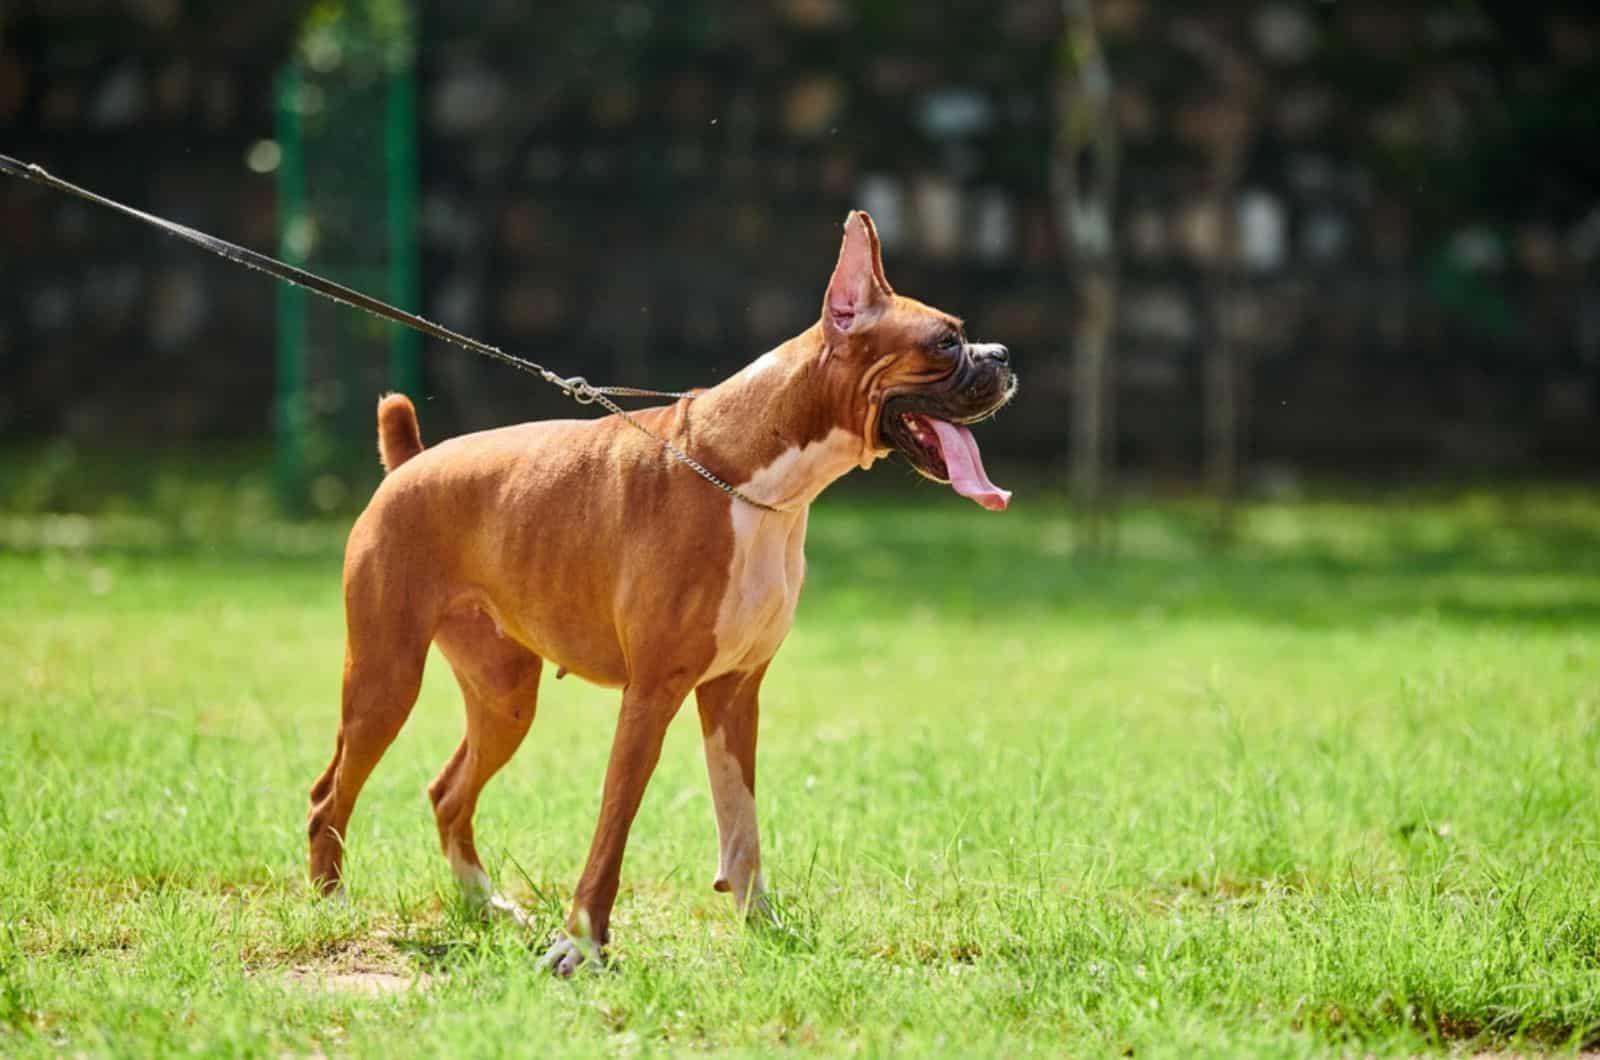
[[586, 543]]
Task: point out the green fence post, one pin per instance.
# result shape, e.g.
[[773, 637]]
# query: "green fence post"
[[400, 109]]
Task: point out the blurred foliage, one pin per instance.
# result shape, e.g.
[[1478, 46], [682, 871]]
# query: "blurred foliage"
[[1527, 148], [336, 32], [62, 495], [645, 151]]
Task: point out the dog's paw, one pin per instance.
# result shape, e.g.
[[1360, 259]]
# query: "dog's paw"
[[568, 954], [499, 906], [480, 895], [758, 912], [495, 905]]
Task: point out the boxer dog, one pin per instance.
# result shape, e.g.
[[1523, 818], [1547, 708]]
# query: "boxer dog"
[[585, 543]]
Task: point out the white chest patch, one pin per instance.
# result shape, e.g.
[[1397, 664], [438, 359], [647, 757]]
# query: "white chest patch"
[[769, 564]]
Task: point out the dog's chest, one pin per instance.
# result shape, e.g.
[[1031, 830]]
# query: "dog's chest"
[[768, 563], [764, 579]]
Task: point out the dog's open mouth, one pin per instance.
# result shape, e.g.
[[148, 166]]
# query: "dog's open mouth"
[[945, 452]]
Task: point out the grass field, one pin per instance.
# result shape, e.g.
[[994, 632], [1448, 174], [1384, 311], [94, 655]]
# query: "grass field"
[[1334, 790]]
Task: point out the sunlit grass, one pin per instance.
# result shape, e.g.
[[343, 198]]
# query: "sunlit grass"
[[1331, 790]]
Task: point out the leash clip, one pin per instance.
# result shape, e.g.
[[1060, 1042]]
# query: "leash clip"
[[580, 390]]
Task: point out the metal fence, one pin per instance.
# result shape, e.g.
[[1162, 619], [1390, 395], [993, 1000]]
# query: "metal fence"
[[651, 193]]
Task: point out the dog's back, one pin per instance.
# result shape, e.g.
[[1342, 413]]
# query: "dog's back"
[[521, 523]]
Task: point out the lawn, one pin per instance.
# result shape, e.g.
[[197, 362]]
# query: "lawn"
[[1331, 790]]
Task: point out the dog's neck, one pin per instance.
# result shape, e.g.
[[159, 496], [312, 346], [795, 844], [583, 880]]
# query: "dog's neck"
[[786, 419]]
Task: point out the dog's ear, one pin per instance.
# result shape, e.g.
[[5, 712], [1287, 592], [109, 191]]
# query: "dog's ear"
[[858, 293]]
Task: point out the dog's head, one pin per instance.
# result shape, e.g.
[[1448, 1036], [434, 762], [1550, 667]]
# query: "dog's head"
[[918, 380]]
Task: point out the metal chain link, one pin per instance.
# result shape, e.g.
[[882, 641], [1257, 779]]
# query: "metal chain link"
[[579, 389], [576, 387]]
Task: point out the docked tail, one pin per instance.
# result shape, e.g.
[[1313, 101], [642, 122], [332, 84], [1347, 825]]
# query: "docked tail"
[[399, 438]]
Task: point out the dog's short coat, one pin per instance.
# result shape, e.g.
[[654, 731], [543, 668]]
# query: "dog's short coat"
[[586, 544]]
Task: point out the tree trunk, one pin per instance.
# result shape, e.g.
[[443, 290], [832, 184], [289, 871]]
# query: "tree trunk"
[[1084, 174], [1222, 378], [1224, 371]]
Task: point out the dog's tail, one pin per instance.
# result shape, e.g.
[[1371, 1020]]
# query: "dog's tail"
[[399, 438]]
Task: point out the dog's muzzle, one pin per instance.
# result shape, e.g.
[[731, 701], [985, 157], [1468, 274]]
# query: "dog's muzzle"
[[928, 424]]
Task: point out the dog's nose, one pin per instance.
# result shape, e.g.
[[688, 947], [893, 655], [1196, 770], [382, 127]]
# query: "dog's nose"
[[999, 353]]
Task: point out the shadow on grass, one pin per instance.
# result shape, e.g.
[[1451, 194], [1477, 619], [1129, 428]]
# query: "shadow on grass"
[[1491, 560], [1526, 556]]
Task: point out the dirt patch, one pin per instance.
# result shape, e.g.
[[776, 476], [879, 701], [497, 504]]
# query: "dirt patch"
[[370, 983]]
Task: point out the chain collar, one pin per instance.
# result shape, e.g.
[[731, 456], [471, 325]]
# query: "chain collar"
[[580, 390]]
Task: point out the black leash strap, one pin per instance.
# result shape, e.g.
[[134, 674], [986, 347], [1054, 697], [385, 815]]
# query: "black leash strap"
[[576, 387], [290, 274]]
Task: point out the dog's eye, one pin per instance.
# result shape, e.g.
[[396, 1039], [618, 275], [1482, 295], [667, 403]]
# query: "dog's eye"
[[950, 343]]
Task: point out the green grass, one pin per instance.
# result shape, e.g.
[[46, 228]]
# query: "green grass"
[[1331, 791]]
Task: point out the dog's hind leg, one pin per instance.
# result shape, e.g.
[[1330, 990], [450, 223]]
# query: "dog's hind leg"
[[499, 681], [384, 654]]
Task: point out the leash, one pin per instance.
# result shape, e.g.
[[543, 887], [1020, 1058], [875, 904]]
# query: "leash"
[[576, 387]]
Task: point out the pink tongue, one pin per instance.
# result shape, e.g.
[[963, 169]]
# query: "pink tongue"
[[961, 459]]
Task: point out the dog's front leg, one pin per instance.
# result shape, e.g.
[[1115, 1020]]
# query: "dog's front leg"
[[729, 713], [646, 710]]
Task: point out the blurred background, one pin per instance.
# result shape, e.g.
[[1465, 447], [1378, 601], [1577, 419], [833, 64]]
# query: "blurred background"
[[1233, 246], [1267, 715]]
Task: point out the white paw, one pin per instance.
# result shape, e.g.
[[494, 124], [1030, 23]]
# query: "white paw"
[[758, 912], [500, 905], [479, 891], [568, 954], [750, 899]]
